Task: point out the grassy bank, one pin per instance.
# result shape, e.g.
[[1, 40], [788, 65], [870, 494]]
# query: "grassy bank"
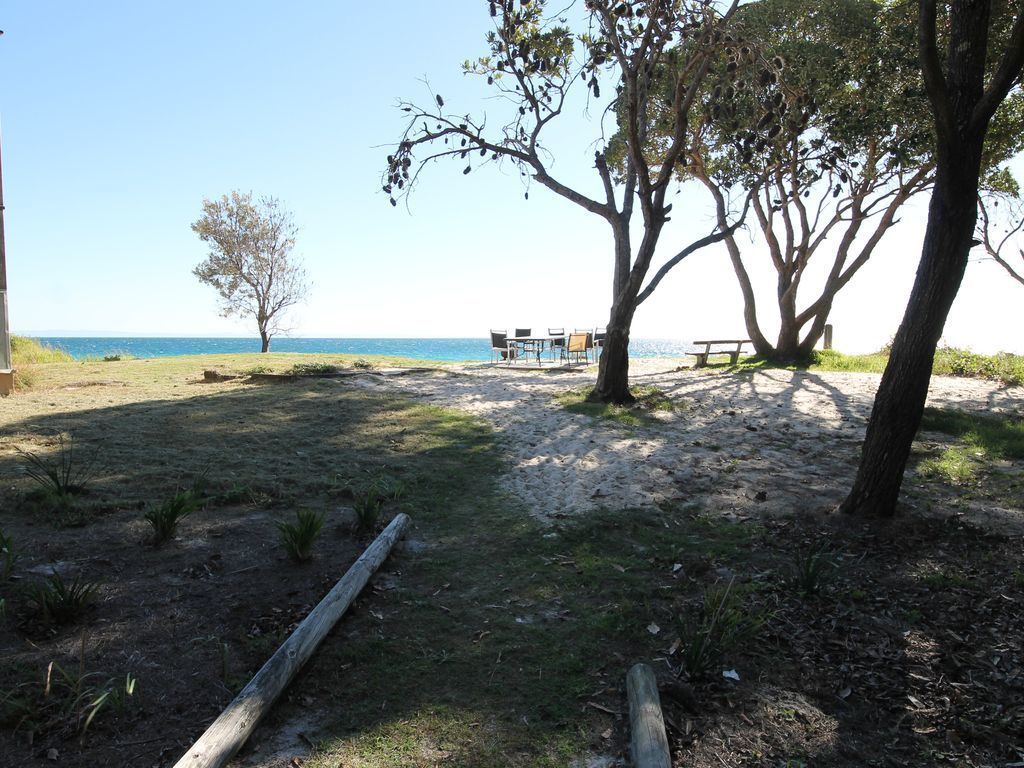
[[949, 361], [42, 367], [488, 638]]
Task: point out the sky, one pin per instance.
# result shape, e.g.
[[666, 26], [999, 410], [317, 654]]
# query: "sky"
[[119, 118]]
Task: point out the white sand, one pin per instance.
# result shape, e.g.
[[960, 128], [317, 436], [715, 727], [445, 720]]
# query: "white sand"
[[794, 436]]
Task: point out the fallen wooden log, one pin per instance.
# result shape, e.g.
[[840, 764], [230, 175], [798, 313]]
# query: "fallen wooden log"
[[648, 741], [236, 723]]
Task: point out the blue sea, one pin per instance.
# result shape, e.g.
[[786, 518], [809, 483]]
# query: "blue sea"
[[418, 349]]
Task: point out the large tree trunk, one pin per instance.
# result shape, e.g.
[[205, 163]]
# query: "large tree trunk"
[[265, 339], [613, 371], [761, 345], [787, 346], [963, 109], [903, 390], [817, 329]]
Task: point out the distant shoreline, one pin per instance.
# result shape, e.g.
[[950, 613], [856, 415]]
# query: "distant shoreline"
[[446, 349]]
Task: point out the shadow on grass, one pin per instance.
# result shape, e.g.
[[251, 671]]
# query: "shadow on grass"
[[488, 639], [999, 437]]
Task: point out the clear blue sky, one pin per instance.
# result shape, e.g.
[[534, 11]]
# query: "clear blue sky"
[[120, 117]]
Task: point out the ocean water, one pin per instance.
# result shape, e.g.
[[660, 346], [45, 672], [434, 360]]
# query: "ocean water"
[[418, 349]]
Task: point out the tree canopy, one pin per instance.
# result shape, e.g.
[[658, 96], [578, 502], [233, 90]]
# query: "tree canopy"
[[827, 141], [250, 262], [972, 55], [537, 63]]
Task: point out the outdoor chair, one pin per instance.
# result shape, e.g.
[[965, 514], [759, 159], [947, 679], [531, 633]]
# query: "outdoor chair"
[[500, 349], [590, 337], [527, 348], [557, 342], [577, 347]]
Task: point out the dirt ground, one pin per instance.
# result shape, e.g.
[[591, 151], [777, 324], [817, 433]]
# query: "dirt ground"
[[193, 619], [496, 637]]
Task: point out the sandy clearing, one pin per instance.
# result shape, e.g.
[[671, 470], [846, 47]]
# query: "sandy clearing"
[[785, 441]]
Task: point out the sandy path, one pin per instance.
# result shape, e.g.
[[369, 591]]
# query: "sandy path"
[[781, 440]]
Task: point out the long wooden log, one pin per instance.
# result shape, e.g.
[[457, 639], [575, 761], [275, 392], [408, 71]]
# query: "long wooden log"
[[648, 741], [236, 723]]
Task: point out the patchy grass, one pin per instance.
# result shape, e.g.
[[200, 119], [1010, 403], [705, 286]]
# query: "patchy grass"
[[508, 634], [998, 437], [489, 639], [165, 374], [980, 442], [956, 464], [1005, 367], [649, 400]]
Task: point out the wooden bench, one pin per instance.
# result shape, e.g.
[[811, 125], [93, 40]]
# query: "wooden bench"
[[734, 354]]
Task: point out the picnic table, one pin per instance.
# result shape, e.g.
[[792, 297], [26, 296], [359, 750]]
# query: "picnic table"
[[532, 345], [733, 348]]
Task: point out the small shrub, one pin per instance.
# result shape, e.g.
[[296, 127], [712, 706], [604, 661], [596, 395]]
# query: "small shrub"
[[257, 369], [165, 518], [723, 625], [312, 369], [362, 364], [811, 569], [61, 476], [368, 505], [65, 699], [1005, 367], [298, 538], [52, 601]]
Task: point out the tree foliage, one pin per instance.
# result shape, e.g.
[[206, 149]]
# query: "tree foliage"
[[536, 64], [972, 55], [829, 140], [250, 262]]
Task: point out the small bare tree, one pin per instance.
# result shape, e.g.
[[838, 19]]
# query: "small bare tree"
[[250, 263]]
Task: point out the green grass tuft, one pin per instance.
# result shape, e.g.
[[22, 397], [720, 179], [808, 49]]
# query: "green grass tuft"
[[812, 567], [980, 440], [58, 478], [722, 626], [368, 505], [52, 601], [648, 400], [63, 699], [298, 537], [165, 517], [8, 556]]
